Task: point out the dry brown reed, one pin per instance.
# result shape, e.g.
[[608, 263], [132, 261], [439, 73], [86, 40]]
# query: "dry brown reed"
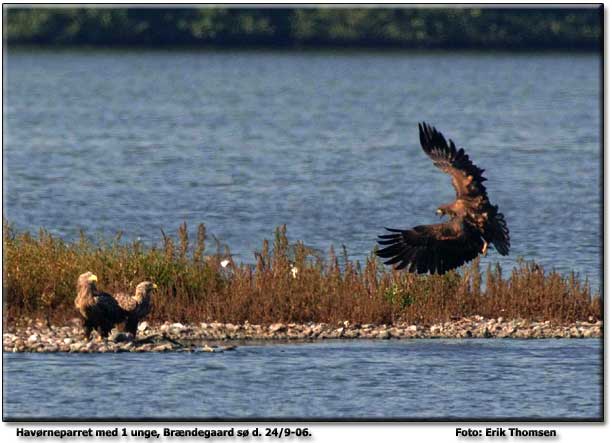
[[288, 283]]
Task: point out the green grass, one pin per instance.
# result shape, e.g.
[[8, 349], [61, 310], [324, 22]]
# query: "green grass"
[[40, 273]]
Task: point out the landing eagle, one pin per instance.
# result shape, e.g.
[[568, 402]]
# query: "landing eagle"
[[473, 223]]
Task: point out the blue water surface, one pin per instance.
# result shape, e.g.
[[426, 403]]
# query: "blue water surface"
[[325, 142], [410, 380]]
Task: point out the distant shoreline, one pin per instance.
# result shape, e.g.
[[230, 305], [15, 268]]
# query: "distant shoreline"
[[454, 28], [299, 49], [218, 337]]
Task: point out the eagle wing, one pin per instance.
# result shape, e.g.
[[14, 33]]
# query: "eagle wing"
[[466, 176], [108, 307], [468, 181], [431, 248], [126, 301]]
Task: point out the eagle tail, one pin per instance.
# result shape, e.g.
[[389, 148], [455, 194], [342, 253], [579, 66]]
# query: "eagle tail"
[[498, 232]]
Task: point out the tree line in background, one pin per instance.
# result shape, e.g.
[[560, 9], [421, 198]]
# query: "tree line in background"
[[417, 28]]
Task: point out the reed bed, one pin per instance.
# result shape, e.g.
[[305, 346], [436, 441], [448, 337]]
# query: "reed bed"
[[287, 283]]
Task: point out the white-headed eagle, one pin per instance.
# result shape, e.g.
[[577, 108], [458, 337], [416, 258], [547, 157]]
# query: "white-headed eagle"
[[474, 222], [136, 306], [100, 311]]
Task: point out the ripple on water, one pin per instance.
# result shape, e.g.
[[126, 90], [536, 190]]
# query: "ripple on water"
[[217, 147], [351, 379]]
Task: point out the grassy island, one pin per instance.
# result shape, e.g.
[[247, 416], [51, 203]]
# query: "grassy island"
[[288, 283]]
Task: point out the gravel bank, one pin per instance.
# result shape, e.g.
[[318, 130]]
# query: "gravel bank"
[[218, 337]]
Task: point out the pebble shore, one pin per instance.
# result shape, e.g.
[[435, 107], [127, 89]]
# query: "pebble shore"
[[219, 337]]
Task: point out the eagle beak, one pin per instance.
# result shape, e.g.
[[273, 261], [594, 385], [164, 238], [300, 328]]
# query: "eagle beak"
[[154, 286], [439, 212], [93, 278]]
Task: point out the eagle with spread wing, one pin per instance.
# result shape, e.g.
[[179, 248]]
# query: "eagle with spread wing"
[[473, 223]]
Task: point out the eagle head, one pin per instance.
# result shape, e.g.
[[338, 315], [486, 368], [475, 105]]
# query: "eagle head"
[[87, 279], [144, 289]]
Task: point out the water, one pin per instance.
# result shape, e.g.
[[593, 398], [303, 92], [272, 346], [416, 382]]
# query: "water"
[[411, 379], [325, 142]]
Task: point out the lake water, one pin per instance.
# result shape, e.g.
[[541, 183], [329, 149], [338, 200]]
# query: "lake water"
[[325, 142], [410, 379]]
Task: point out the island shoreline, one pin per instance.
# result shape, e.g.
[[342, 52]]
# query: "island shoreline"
[[37, 336]]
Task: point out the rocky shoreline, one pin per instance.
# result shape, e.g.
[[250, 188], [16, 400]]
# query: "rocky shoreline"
[[219, 337]]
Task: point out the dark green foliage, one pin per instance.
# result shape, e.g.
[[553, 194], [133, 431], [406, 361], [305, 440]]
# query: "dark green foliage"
[[289, 283], [488, 28]]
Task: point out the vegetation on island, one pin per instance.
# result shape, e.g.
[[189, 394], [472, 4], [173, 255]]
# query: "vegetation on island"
[[417, 28], [288, 283]]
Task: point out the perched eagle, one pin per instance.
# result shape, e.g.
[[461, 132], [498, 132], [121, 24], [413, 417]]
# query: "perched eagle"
[[99, 310], [474, 222], [137, 306]]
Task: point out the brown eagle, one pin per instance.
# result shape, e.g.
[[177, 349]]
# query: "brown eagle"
[[137, 306], [99, 310], [473, 223]]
